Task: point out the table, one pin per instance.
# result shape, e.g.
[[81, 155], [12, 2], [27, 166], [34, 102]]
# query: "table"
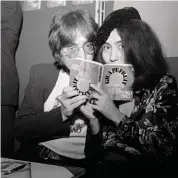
[[39, 170]]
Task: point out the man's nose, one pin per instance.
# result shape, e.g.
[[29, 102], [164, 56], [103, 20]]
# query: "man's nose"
[[81, 53]]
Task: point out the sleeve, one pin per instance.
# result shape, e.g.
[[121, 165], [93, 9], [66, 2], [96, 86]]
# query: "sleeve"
[[11, 23], [155, 131], [93, 149], [12, 16], [8, 9], [32, 123]]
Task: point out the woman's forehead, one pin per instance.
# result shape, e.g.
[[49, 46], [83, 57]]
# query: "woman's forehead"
[[113, 37]]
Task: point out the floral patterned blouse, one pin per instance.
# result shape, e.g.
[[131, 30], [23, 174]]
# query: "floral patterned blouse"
[[150, 132]]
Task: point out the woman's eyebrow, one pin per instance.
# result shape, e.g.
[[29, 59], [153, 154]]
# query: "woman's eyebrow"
[[119, 41]]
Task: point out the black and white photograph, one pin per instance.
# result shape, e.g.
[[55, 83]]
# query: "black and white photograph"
[[89, 89]]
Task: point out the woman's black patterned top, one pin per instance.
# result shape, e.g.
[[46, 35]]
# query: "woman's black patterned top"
[[150, 132]]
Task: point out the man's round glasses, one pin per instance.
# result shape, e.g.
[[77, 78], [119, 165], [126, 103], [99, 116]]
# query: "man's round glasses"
[[72, 50]]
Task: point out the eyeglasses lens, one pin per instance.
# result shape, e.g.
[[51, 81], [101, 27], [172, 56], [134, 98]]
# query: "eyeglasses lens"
[[72, 51]]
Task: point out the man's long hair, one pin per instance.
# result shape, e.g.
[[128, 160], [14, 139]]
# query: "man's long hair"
[[63, 31]]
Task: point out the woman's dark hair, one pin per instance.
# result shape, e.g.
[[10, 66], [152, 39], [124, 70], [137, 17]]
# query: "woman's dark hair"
[[141, 47], [63, 31], [143, 50], [114, 19]]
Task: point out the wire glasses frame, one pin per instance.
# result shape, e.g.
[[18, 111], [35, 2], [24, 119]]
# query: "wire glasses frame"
[[72, 50]]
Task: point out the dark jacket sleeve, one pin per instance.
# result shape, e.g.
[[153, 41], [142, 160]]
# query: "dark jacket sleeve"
[[93, 148], [11, 22], [11, 16], [32, 123]]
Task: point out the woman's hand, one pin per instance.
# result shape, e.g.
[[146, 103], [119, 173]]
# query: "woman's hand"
[[104, 104], [70, 100], [94, 122]]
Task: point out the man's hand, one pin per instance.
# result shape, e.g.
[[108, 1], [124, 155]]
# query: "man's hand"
[[70, 100], [94, 122]]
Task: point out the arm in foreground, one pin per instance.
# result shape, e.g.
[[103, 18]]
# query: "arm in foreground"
[[155, 132], [32, 123]]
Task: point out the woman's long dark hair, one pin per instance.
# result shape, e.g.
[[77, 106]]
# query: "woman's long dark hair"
[[143, 50], [112, 20], [141, 46]]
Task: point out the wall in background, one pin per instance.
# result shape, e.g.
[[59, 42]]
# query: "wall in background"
[[33, 47], [162, 16]]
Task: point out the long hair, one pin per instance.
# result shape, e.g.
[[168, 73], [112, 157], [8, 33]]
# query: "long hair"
[[63, 31], [141, 46], [143, 50], [112, 20]]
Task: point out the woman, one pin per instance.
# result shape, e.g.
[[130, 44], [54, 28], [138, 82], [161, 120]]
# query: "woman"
[[45, 118], [141, 132]]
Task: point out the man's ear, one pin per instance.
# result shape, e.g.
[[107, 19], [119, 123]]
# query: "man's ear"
[[58, 57]]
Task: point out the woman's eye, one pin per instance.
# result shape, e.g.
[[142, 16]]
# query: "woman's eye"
[[119, 45], [106, 48]]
